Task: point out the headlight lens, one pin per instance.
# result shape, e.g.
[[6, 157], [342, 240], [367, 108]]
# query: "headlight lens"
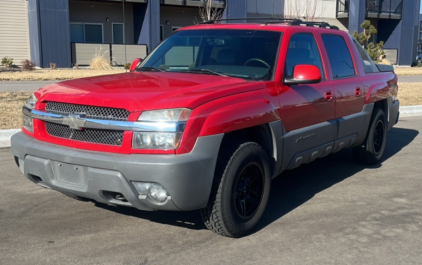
[[32, 100], [160, 136], [156, 140], [27, 121], [181, 114]]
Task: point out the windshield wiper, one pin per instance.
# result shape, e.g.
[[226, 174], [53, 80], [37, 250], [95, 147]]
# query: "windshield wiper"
[[152, 68], [205, 71]]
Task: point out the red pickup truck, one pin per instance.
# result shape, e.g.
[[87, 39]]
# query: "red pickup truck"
[[209, 118]]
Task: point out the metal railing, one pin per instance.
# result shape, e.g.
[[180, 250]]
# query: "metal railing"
[[215, 3], [343, 6], [388, 7]]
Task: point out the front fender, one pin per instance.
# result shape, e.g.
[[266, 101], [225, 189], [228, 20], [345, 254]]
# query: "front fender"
[[239, 116]]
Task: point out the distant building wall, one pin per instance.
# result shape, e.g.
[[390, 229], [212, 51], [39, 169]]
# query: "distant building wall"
[[49, 32], [98, 12], [14, 36], [174, 17]]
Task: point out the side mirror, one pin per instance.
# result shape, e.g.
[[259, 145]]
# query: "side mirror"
[[135, 64], [304, 74]]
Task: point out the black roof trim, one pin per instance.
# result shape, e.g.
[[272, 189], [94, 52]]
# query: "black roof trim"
[[273, 20]]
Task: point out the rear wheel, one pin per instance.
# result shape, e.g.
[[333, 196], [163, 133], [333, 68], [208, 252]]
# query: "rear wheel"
[[372, 149], [240, 194]]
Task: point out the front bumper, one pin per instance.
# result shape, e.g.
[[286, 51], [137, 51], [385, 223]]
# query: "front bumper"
[[187, 178]]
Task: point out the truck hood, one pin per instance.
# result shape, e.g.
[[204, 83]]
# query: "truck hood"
[[140, 91]]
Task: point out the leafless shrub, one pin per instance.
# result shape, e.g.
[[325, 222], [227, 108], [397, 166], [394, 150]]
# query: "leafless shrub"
[[301, 9], [208, 12], [28, 65], [99, 62]]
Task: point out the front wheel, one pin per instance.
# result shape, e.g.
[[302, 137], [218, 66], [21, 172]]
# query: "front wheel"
[[240, 194], [372, 149]]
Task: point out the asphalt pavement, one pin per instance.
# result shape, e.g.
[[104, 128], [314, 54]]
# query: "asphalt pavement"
[[23, 86], [331, 211]]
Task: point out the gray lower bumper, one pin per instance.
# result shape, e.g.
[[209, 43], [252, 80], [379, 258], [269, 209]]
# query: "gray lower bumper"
[[187, 178], [394, 113]]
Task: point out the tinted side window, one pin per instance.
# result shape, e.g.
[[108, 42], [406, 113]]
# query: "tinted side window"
[[302, 50], [339, 56], [368, 65]]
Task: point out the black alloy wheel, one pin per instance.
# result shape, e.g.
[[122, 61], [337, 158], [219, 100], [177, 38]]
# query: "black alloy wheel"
[[248, 191], [378, 136], [372, 149], [240, 191]]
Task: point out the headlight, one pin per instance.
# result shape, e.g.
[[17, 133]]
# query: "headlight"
[[156, 140], [27, 123], [32, 100], [165, 115], [26, 120], [166, 129]]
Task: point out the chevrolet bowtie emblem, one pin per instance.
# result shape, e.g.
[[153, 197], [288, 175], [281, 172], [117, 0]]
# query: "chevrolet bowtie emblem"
[[74, 121]]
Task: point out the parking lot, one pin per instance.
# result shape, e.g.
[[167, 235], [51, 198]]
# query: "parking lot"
[[332, 211]]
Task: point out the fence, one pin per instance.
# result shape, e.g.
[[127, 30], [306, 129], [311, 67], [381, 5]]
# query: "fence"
[[117, 54]]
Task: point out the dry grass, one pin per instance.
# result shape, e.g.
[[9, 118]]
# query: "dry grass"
[[408, 70], [53, 74], [11, 103], [99, 62], [410, 94], [11, 109]]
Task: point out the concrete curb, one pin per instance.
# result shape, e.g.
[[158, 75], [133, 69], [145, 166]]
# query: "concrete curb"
[[5, 136], [404, 111], [411, 109]]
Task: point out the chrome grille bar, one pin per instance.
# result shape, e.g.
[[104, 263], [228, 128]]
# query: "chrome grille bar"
[[79, 121]]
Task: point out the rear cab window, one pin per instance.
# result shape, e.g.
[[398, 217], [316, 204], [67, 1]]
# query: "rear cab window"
[[368, 65], [339, 56]]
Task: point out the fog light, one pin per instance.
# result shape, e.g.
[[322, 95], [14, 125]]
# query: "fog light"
[[152, 190], [142, 187], [157, 193]]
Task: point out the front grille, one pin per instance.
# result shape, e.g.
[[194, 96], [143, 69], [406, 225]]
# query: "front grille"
[[90, 112], [96, 136]]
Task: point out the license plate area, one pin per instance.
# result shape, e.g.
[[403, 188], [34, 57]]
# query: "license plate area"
[[69, 173]]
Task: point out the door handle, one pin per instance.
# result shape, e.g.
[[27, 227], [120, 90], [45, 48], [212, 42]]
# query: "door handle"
[[358, 92], [328, 96]]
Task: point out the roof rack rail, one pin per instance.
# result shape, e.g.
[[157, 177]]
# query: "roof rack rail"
[[263, 19], [273, 20]]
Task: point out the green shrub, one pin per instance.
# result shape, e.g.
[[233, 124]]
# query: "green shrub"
[[374, 50], [7, 61], [127, 66]]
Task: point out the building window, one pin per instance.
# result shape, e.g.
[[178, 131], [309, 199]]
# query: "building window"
[[86, 33], [118, 33]]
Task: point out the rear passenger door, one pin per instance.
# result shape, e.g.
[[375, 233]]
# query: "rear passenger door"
[[348, 86]]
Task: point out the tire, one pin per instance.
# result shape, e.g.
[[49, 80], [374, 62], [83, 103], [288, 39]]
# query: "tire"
[[372, 149], [240, 191]]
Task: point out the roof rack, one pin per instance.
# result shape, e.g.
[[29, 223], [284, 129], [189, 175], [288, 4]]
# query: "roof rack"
[[273, 20]]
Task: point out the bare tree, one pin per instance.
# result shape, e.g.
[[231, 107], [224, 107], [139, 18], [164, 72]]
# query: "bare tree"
[[301, 9], [208, 12]]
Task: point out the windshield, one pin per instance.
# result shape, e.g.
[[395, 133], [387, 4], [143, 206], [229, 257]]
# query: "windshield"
[[248, 54]]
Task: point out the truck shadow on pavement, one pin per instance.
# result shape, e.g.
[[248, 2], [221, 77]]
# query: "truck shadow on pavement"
[[291, 189]]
